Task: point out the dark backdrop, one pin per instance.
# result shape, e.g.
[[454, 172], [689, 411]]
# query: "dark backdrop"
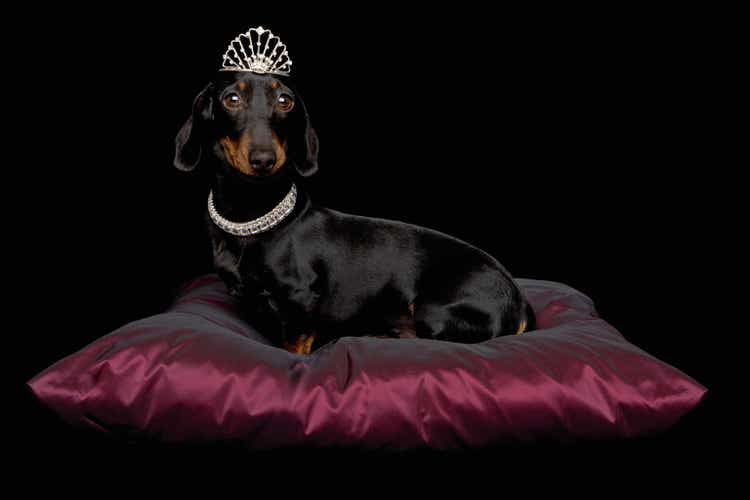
[[563, 143]]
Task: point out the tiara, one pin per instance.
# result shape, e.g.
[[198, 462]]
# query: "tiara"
[[259, 51]]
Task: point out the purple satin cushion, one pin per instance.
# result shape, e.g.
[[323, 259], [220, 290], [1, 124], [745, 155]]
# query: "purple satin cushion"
[[197, 372]]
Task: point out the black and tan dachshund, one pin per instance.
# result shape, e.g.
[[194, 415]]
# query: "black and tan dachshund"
[[321, 274]]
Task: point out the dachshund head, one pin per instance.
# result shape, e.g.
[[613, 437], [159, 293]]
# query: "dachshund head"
[[255, 124]]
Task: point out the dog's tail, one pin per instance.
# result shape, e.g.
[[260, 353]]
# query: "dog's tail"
[[528, 319]]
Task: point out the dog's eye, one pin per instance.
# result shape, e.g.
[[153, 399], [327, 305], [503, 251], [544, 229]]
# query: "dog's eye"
[[285, 102], [232, 100]]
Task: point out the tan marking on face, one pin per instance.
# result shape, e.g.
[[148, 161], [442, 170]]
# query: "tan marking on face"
[[237, 153], [275, 84], [242, 86], [279, 149]]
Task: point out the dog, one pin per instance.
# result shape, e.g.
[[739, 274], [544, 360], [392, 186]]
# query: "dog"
[[316, 274]]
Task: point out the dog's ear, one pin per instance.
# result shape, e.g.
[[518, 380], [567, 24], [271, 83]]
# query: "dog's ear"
[[307, 156], [189, 140]]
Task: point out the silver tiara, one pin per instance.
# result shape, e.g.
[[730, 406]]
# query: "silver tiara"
[[259, 51]]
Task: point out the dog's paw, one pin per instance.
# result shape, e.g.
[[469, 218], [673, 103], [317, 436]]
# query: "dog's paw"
[[301, 345]]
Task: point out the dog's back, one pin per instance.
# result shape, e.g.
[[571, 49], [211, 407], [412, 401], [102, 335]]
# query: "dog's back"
[[357, 275]]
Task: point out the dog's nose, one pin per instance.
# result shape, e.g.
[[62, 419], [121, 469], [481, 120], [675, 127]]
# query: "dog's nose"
[[262, 160]]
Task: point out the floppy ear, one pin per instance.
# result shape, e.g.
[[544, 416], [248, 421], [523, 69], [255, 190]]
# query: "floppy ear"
[[307, 160], [189, 140]]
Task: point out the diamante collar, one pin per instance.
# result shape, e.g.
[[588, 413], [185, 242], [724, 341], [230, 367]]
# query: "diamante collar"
[[255, 226]]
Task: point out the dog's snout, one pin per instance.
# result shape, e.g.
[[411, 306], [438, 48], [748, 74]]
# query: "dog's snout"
[[262, 160]]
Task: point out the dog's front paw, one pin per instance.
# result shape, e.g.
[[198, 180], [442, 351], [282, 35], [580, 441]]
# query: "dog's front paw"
[[301, 345]]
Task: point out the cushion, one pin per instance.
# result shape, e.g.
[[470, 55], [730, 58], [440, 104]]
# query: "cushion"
[[197, 372]]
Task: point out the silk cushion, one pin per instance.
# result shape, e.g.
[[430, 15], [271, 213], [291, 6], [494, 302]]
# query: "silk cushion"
[[198, 372]]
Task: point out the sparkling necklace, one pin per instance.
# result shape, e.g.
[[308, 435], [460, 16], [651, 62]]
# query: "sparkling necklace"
[[255, 226]]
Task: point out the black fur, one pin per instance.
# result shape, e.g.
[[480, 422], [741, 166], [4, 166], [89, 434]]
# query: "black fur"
[[324, 271]]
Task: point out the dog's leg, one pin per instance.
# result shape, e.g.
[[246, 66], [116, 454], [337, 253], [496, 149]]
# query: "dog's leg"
[[457, 322], [405, 326], [402, 327]]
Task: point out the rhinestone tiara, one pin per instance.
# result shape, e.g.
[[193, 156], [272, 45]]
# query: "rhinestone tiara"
[[255, 226], [258, 50]]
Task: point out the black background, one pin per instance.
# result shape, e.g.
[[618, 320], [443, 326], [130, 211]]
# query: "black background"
[[565, 143]]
